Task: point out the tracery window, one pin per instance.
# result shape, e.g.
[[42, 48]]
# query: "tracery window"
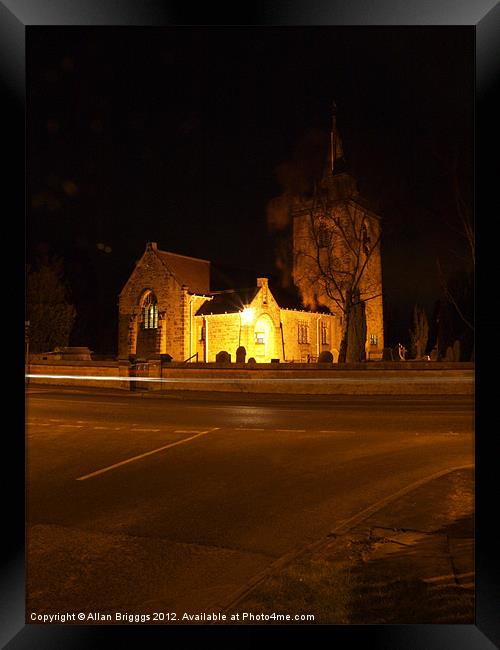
[[149, 318]]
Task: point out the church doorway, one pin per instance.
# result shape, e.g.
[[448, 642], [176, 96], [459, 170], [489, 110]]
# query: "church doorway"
[[264, 339]]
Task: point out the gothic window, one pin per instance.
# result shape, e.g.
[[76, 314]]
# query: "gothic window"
[[149, 314], [303, 332], [373, 339]]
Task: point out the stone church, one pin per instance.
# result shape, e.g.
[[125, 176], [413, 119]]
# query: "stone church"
[[170, 305], [167, 307]]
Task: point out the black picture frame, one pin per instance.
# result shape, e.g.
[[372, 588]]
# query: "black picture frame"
[[484, 16]]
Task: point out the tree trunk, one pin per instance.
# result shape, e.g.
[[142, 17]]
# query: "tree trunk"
[[356, 339], [343, 343]]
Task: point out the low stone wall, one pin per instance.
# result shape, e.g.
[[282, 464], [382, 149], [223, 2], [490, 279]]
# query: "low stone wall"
[[79, 373], [396, 378], [333, 380]]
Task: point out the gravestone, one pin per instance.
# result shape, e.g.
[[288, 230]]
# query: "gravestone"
[[387, 354], [251, 361], [222, 357], [241, 353], [325, 357]]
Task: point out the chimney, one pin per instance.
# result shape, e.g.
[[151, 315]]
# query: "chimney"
[[262, 282], [151, 246]]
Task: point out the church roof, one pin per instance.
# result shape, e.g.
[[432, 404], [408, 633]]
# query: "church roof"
[[228, 302], [290, 299], [225, 276], [190, 271]]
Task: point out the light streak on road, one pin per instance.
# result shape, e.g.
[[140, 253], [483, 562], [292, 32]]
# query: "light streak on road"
[[246, 380]]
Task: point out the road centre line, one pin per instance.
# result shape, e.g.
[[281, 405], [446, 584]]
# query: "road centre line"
[[145, 429], [147, 453], [291, 430]]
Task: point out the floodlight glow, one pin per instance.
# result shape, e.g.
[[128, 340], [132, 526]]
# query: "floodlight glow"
[[247, 315]]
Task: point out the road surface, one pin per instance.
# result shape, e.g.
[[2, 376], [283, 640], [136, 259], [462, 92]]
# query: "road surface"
[[141, 504]]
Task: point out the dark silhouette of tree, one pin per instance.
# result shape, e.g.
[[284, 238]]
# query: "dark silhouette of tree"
[[49, 311], [455, 317], [455, 285], [419, 334]]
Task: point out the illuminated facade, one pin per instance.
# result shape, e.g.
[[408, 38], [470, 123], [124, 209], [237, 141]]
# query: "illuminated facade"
[[336, 248], [166, 307]]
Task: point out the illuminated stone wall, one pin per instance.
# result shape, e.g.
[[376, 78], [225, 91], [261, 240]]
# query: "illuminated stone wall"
[[302, 334], [192, 329], [260, 335], [307, 275], [222, 333], [374, 307], [151, 274], [270, 333]]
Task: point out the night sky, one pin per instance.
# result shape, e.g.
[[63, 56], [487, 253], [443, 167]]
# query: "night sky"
[[174, 135]]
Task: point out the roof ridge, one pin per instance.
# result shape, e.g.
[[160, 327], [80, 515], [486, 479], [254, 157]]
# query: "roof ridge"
[[187, 257], [219, 291]]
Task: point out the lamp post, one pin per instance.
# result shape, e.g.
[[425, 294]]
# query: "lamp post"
[[246, 317]]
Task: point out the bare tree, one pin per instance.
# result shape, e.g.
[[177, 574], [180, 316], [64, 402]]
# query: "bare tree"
[[333, 265], [464, 217]]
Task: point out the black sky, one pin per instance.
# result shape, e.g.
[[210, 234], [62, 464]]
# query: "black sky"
[[174, 134]]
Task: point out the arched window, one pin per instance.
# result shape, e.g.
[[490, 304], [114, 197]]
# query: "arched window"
[[149, 314]]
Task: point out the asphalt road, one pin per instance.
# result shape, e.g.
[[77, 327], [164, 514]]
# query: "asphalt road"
[[144, 504]]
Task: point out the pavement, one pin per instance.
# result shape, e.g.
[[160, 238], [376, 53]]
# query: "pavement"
[[411, 560]]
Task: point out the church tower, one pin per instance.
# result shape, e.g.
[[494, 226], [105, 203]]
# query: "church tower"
[[336, 248]]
